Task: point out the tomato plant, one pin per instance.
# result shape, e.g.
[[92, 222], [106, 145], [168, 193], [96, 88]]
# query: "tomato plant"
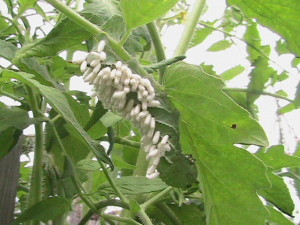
[[159, 140]]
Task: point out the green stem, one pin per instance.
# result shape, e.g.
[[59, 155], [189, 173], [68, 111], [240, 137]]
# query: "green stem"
[[124, 38], [100, 205], [123, 141], [156, 198], [74, 178], [159, 49], [112, 184], [257, 92], [165, 63], [86, 200], [141, 164], [35, 192], [144, 217], [187, 34], [169, 213], [95, 30], [121, 219]]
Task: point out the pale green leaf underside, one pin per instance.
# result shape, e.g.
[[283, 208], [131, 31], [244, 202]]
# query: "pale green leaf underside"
[[229, 176]]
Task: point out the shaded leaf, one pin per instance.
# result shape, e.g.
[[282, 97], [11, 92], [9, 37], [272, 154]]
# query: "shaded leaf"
[[45, 210], [187, 214], [8, 139]]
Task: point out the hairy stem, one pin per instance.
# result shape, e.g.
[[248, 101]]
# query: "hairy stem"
[[256, 92], [35, 192], [144, 217], [159, 49], [190, 26]]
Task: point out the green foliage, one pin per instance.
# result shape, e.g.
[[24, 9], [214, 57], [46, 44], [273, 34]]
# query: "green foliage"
[[131, 185], [209, 176], [144, 12], [226, 173], [282, 17], [220, 46], [45, 210], [14, 117]]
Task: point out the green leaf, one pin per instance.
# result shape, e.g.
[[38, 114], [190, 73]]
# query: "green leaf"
[[180, 173], [215, 110], [135, 185], [229, 176], [220, 46], [67, 34], [276, 218], [45, 210], [14, 117], [109, 119], [26, 4], [278, 194], [59, 102], [137, 13], [232, 73], [276, 158], [280, 16], [8, 139], [8, 50], [259, 76], [200, 35], [88, 165]]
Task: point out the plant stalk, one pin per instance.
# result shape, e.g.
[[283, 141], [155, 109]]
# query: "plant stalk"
[[187, 34], [156, 198], [257, 92], [35, 192], [123, 141], [159, 49]]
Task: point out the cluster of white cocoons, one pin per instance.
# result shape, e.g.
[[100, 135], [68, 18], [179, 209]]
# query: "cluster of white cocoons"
[[111, 86]]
